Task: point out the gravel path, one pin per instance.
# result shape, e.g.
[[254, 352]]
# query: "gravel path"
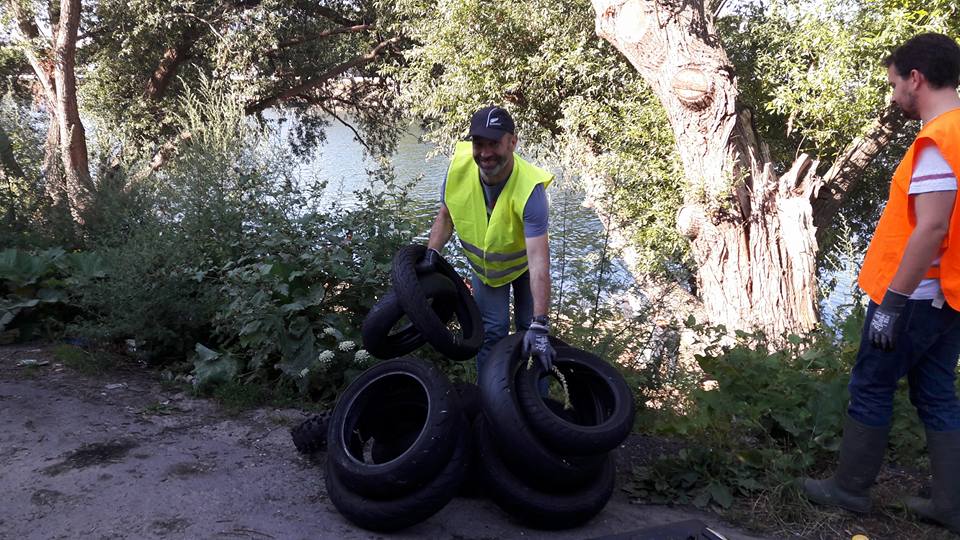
[[117, 456]]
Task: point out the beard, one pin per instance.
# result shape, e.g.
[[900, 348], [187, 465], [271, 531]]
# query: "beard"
[[909, 107], [486, 173]]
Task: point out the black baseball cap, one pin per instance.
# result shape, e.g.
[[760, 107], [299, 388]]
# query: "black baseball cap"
[[491, 123]]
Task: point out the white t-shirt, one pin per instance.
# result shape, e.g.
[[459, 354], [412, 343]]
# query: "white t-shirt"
[[931, 172]]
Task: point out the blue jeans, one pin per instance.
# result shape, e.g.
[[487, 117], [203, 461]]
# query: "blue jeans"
[[927, 348], [494, 303]]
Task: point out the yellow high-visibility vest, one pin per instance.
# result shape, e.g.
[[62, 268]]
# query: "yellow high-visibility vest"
[[496, 248]]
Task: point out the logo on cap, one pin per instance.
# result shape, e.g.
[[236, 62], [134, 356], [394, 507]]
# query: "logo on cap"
[[491, 123]]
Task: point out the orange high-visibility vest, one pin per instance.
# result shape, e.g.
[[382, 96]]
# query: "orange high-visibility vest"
[[898, 219]]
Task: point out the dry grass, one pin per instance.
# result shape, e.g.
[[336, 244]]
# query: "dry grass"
[[783, 513]]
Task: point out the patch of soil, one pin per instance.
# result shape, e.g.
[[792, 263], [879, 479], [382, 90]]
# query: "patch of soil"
[[119, 455], [91, 454]]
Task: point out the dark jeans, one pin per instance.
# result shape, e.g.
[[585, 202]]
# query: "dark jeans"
[[494, 303], [927, 348]]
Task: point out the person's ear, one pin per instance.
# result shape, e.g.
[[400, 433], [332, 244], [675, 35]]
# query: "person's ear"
[[915, 78]]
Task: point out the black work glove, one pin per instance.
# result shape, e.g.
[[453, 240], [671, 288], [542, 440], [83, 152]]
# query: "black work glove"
[[536, 342], [883, 324], [428, 263]]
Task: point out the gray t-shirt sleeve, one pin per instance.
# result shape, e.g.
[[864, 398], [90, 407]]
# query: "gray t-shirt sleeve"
[[536, 213], [443, 189]]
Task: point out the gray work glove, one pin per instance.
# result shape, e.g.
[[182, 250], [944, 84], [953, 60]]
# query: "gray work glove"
[[536, 342], [884, 322], [428, 263]]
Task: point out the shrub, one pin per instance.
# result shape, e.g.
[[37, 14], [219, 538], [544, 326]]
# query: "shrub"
[[293, 304], [155, 291], [761, 417], [35, 295]]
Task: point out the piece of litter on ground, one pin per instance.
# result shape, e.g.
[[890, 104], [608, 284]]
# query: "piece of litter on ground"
[[115, 386], [32, 362]]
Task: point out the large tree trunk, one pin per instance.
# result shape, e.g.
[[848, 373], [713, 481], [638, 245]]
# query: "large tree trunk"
[[66, 167], [73, 138], [752, 233]]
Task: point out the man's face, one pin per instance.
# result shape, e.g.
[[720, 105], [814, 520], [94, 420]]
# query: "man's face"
[[493, 157], [904, 92]]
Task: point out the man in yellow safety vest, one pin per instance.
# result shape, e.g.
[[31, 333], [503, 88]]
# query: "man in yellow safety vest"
[[497, 203]]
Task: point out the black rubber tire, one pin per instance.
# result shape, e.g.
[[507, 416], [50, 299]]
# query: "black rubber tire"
[[425, 396], [311, 435], [384, 315], [399, 513], [410, 294], [534, 507], [526, 455], [586, 375], [469, 398]]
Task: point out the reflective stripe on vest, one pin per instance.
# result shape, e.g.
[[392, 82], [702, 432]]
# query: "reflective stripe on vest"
[[498, 257], [898, 220], [494, 245]]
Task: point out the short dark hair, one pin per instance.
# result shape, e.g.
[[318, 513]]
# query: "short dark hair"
[[935, 55]]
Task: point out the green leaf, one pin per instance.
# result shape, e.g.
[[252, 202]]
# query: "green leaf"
[[6, 317], [292, 307], [300, 326], [22, 303], [211, 368], [51, 295], [721, 494], [250, 328]]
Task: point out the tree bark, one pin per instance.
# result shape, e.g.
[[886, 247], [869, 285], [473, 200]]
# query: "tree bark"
[[73, 138], [54, 68], [172, 58], [752, 233]]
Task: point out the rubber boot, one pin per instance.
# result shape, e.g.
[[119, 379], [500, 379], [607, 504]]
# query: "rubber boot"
[[944, 505], [861, 454]]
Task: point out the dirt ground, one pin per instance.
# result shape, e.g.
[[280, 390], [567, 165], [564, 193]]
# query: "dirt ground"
[[120, 456]]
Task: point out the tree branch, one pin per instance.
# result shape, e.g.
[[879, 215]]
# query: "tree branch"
[[356, 134], [42, 67], [314, 82], [848, 169], [173, 57], [298, 41], [166, 151]]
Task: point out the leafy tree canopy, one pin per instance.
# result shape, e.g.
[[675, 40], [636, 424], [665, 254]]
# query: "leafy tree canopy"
[[139, 56], [812, 74]]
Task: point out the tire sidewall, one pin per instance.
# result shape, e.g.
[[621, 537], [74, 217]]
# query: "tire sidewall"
[[559, 433], [524, 453], [429, 451]]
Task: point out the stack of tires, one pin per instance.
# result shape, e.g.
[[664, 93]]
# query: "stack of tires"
[[400, 441], [548, 466], [398, 446]]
